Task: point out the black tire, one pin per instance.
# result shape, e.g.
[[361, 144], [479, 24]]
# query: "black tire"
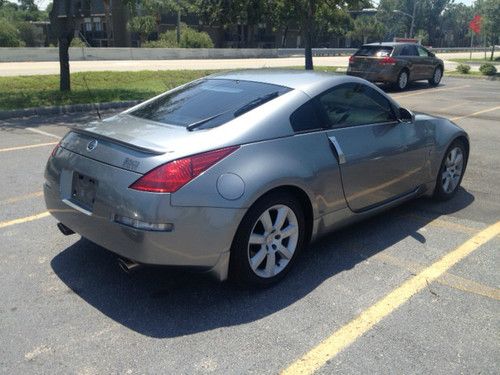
[[436, 78], [240, 271], [439, 191], [402, 84]]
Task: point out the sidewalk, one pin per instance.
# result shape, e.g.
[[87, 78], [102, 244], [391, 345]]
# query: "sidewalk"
[[52, 67]]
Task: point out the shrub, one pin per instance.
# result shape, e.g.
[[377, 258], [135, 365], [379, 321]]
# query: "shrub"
[[77, 42], [463, 68], [190, 38], [488, 69], [9, 35]]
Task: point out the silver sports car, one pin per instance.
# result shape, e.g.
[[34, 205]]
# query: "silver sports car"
[[235, 173]]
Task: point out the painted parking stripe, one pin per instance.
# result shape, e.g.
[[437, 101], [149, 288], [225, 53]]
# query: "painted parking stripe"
[[27, 147], [4, 224], [349, 333], [475, 113], [427, 92], [38, 131]]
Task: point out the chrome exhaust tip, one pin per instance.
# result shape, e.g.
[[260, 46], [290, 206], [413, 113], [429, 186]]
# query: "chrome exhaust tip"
[[64, 229], [128, 266]]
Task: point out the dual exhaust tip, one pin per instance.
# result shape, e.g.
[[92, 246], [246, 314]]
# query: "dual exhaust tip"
[[126, 265]]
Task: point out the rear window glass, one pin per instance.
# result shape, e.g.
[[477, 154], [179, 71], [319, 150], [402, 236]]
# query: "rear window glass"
[[209, 102], [374, 51]]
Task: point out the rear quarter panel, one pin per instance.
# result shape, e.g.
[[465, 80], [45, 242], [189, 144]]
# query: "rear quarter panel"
[[304, 161]]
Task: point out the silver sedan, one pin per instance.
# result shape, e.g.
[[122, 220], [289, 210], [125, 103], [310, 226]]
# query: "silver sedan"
[[236, 173]]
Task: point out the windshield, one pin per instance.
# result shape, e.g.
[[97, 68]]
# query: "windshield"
[[209, 102], [374, 51]]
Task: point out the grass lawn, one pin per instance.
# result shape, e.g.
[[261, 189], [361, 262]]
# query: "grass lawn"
[[95, 87], [43, 90], [476, 61]]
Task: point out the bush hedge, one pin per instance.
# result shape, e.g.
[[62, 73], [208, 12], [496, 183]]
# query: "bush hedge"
[[463, 68], [190, 38], [488, 69]]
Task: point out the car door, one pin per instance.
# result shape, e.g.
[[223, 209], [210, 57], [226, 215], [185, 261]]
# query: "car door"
[[380, 158], [409, 53], [427, 63]]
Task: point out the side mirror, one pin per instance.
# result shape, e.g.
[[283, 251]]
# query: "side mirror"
[[405, 115]]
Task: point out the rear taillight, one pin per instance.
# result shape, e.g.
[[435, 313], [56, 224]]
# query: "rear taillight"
[[170, 177], [352, 58], [53, 153], [387, 61]]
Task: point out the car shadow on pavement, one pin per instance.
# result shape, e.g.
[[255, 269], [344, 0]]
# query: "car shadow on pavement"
[[159, 302], [412, 86]]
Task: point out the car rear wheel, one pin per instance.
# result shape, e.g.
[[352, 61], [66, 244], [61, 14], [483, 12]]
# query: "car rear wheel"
[[451, 171], [267, 241], [436, 77], [402, 81]]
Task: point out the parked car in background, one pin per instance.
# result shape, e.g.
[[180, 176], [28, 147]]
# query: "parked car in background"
[[235, 173], [396, 63]]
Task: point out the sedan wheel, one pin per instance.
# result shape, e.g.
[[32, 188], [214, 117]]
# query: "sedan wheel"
[[436, 77], [268, 240], [451, 172], [402, 80]]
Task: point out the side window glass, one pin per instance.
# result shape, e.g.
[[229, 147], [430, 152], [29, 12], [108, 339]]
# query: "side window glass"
[[422, 52], [355, 104], [305, 118]]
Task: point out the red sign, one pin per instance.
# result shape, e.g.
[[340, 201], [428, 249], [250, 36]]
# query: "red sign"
[[475, 24]]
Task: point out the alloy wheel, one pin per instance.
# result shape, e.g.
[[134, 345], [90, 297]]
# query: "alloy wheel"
[[452, 171], [273, 241], [403, 80]]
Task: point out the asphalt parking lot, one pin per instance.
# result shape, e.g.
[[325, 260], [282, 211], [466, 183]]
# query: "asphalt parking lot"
[[66, 307]]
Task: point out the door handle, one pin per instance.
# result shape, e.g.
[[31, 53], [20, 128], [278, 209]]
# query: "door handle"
[[338, 149]]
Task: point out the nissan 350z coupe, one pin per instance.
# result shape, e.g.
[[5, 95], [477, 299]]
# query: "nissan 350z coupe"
[[235, 173]]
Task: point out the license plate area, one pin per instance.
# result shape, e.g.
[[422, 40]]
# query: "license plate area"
[[83, 191]]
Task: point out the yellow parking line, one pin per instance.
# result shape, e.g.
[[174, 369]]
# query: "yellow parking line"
[[26, 147], [346, 335], [426, 92], [22, 197], [447, 279], [38, 131], [475, 113], [22, 220]]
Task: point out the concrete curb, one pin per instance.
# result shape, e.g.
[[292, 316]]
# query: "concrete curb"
[[39, 111]]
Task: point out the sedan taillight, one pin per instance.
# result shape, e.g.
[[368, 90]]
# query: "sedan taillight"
[[170, 177]]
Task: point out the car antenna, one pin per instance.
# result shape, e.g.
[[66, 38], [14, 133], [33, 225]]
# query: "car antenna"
[[93, 97]]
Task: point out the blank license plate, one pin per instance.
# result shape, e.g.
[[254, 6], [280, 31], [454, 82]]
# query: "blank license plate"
[[83, 191]]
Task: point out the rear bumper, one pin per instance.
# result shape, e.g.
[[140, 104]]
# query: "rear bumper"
[[385, 74], [200, 237]]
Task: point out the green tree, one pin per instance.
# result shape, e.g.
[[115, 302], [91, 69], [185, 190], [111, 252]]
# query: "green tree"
[[490, 24], [143, 26], [367, 29], [9, 35]]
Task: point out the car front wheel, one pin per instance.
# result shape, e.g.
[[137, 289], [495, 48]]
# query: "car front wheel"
[[267, 241], [451, 171], [436, 77]]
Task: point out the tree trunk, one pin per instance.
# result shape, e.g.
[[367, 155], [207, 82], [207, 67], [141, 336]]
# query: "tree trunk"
[[121, 35], [64, 42], [308, 34], [109, 27], [283, 39], [492, 51]]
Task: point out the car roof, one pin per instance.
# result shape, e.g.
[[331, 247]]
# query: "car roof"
[[307, 81], [389, 44]]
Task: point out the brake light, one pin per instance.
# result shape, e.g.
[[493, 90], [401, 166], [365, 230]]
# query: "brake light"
[[53, 153], [170, 177], [352, 58], [387, 61]]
